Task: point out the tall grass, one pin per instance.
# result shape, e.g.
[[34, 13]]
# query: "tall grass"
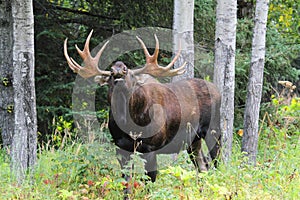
[[91, 171]]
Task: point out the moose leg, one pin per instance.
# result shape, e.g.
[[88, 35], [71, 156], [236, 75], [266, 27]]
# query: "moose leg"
[[213, 135], [123, 160], [151, 165], [197, 156], [213, 142]]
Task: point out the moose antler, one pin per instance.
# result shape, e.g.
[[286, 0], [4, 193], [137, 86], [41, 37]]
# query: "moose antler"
[[90, 63], [151, 67]]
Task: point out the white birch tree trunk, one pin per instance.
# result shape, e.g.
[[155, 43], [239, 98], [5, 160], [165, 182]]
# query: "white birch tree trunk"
[[254, 90], [6, 74], [224, 72], [183, 35], [183, 38], [25, 131]]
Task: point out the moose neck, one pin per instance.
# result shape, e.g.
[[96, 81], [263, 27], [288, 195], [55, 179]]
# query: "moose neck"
[[129, 107]]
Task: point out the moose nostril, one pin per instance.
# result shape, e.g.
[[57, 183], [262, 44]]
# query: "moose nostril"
[[124, 71]]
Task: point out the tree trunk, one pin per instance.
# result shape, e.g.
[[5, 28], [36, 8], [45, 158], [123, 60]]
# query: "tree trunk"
[[224, 72], [183, 36], [6, 74], [25, 131], [254, 90]]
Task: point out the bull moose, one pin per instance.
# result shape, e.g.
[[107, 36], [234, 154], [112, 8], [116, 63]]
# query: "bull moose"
[[152, 117]]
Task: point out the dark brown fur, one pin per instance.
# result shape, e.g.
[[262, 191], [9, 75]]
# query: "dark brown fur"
[[190, 113]]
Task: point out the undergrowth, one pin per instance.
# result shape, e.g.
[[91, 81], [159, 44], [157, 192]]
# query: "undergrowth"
[[91, 171]]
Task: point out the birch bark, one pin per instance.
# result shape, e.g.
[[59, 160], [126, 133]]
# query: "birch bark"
[[25, 132], [183, 35], [224, 68], [254, 89]]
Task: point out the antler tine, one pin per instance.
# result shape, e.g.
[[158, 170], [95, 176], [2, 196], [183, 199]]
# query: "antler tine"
[[156, 51], [175, 58], [178, 71], [98, 55], [151, 67], [86, 49], [146, 52], [90, 63], [72, 64]]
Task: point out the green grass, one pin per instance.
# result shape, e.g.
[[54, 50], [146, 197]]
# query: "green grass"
[[91, 171]]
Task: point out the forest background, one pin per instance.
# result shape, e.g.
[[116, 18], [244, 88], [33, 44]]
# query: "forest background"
[[57, 20]]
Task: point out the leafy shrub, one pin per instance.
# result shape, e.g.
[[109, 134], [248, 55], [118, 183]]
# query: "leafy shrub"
[[282, 114], [91, 171]]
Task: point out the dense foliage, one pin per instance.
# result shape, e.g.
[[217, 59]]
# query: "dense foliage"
[[57, 19], [91, 171]]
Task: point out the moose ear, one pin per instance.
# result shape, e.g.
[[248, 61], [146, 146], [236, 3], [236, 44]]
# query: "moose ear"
[[102, 80]]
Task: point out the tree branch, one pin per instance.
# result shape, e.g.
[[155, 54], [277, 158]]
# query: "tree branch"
[[82, 12], [89, 23]]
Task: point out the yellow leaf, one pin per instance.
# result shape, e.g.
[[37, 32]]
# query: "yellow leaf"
[[240, 132], [281, 18], [271, 7]]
